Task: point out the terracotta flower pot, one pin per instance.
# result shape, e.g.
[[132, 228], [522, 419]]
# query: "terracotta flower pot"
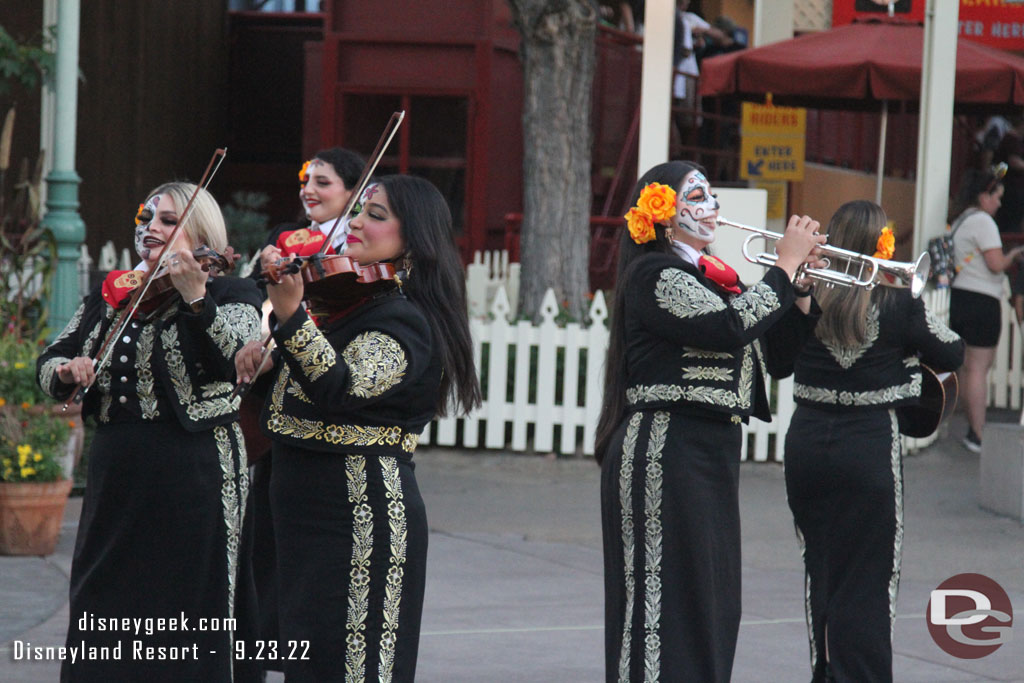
[[30, 516]]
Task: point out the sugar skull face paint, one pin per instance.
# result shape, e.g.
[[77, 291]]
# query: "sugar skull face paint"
[[697, 208], [143, 219]]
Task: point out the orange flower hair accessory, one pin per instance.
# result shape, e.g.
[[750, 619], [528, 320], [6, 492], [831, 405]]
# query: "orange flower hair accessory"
[[304, 172], [641, 226], [886, 244], [657, 203], [138, 214]]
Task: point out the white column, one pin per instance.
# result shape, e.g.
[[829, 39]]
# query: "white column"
[[773, 21], [935, 132], [656, 84]]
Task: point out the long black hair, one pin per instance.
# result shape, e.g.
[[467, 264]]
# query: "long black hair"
[[613, 407], [436, 283]]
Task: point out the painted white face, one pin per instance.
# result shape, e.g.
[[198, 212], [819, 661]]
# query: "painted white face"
[[696, 208], [145, 217]]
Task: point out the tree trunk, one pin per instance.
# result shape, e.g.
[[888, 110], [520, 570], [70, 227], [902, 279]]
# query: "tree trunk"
[[558, 39]]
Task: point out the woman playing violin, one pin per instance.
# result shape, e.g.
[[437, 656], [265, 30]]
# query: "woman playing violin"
[[168, 477], [344, 412]]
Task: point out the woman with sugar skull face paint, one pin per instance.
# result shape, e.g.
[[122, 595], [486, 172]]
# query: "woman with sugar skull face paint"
[[168, 477], [688, 351]]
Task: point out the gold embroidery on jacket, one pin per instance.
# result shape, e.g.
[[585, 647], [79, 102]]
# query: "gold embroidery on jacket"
[[393, 589], [312, 350], [343, 434], [376, 363], [146, 388], [644, 393], [216, 400], [232, 509], [898, 392], [359, 573], [233, 326], [847, 356]]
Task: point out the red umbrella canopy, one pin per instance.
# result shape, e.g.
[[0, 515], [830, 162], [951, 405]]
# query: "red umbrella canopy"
[[864, 62]]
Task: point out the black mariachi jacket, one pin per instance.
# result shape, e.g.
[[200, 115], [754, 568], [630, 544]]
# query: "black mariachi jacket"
[[178, 365], [689, 345], [366, 384], [885, 370]]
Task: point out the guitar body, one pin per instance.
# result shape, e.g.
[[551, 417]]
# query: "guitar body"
[[938, 400]]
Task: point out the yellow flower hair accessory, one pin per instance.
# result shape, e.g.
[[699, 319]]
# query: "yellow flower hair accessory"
[[886, 244], [304, 172], [657, 202]]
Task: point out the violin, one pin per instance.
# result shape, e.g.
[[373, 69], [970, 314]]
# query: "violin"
[[161, 287], [336, 281], [329, 279]]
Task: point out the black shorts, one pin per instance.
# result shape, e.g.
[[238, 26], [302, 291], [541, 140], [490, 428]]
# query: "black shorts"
[[975, 317]]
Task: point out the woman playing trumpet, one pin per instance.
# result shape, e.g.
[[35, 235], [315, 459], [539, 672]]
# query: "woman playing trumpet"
[[843, 453], [688, 353]]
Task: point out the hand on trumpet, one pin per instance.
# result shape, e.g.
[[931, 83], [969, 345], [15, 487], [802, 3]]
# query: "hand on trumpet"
[[800, 247]]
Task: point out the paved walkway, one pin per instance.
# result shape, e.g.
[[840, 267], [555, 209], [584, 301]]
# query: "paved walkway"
[[514, 574]]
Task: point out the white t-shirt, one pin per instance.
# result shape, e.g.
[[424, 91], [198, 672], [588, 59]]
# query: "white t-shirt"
[[688, 64], [976, 234]]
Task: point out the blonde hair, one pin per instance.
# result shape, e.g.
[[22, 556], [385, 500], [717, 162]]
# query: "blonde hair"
[[205, 224]]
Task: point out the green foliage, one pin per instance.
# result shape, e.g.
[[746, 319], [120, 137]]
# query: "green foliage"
[[246, 222], [32, 442], [18, 372], [28, 255], [26, 64]]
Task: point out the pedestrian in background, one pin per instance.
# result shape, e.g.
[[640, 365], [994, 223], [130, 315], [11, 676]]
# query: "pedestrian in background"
[[977, 290]]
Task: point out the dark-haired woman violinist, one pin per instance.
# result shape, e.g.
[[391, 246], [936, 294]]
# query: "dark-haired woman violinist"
[[689, 351], [168, 478], [344, 412]]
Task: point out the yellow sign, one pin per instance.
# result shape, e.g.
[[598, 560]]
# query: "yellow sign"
[[773, 142], [776, 197]]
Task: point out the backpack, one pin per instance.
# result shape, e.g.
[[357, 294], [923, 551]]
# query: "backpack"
[[940, 249]]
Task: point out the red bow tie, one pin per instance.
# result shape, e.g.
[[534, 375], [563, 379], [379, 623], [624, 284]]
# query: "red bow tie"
[[719, 273]]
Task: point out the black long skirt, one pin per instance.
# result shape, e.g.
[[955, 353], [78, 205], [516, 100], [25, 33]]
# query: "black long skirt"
[[844, 482], [351, 535], [671, 526], [154, 578]]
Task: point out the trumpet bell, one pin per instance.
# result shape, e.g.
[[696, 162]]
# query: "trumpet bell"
[[905, 274]]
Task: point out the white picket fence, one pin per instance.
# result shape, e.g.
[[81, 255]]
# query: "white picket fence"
[[543, 383]]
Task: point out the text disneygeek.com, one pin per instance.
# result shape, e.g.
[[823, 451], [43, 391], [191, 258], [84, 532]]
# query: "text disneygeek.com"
[[135, 649]]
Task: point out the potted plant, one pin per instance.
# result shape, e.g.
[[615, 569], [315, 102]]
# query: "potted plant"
[[33, 487]]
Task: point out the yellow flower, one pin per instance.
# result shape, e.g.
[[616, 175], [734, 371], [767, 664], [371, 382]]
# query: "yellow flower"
[[641, 226], [19, 365], [657, 200], [27, 471], [3, 401], [24, 450], [6, 462], [37, 456], [886, 244], [8, 472], [22, 459]]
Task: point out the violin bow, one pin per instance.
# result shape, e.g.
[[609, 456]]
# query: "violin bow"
[[123, 318], [382, 144]]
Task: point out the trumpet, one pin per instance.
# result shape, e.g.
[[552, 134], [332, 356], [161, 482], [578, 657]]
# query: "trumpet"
[[846, 268]]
